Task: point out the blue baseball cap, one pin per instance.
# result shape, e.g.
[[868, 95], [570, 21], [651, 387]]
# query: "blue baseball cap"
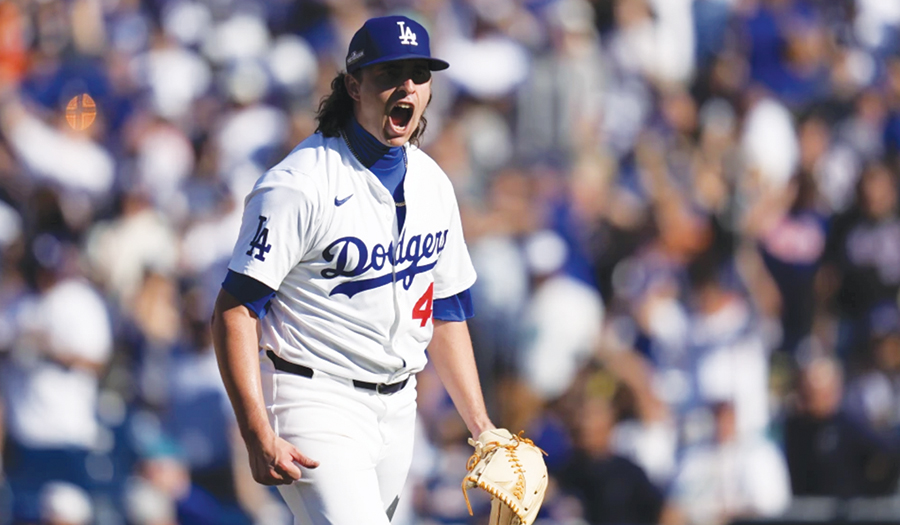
[[390, 38]]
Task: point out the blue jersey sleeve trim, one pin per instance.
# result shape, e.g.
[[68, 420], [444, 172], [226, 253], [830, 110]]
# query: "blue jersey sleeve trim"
[[455, 308], [250, 292]]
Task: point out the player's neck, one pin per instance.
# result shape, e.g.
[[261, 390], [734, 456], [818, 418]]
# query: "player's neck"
[[370, 150]]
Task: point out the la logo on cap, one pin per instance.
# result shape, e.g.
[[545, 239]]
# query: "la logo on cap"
[[407, 37]]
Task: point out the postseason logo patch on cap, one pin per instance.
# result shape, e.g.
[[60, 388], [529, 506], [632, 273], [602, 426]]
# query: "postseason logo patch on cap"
[[355, 56], [389, 38]]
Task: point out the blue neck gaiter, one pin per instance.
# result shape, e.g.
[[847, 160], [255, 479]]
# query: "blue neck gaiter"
[[388, 164]]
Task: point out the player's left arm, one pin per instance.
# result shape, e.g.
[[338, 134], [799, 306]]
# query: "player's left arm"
[[451, 353], [450, 350]]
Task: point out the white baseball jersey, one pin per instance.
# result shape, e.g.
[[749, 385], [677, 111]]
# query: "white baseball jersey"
[[354, 294]]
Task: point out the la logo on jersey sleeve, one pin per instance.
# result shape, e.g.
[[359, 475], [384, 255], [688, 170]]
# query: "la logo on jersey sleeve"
[[260, 240]]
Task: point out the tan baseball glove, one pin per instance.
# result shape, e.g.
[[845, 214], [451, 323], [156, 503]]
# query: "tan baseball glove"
[[511, 469]]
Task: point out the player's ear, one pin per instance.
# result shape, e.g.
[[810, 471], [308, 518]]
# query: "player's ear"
[[352, 83]]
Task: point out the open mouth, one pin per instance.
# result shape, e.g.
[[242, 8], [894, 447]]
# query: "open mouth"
[[401, 114]]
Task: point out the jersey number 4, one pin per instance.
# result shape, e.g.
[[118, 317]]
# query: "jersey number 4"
[[260, 240], [422, 309]]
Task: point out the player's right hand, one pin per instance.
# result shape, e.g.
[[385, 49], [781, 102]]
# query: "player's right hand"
[[277, 462]]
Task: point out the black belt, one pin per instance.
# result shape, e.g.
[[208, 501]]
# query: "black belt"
[[305, 371]]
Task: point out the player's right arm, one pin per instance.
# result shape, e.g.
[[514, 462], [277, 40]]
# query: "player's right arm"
[[279, 216], [236, 341]]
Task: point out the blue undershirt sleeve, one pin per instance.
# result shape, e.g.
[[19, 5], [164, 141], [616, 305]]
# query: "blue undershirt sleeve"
[[250, 292], [455, 308]]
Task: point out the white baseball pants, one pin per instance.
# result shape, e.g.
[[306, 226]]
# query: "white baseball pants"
[[362, 440]]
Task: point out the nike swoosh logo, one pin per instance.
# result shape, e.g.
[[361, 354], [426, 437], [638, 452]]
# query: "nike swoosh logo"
[[338, 202]]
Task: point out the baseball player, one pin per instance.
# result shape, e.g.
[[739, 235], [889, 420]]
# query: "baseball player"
[[350, 262]]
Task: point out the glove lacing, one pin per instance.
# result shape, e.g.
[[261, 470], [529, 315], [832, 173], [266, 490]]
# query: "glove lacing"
[[482, 452]]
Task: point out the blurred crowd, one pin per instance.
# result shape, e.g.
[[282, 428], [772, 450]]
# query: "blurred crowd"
[[684, 216]]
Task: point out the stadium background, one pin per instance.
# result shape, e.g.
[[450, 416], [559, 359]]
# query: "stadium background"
[[684, 215]]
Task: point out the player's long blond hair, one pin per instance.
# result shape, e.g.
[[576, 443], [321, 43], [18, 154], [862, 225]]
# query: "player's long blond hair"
[[336, 110]]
